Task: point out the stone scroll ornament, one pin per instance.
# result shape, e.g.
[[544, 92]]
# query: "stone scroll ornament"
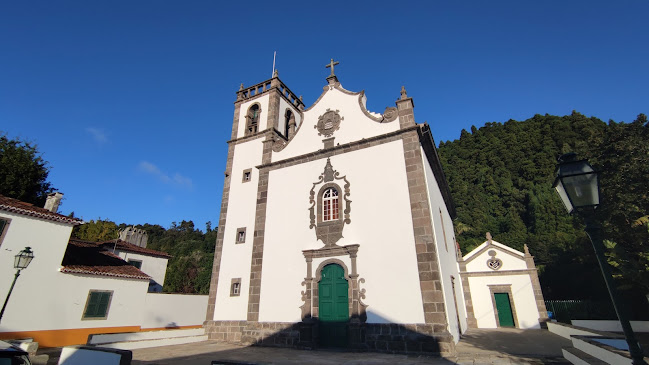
[[328, 123], [494, 263], [331, 231]]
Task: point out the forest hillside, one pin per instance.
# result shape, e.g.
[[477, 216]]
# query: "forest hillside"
[[501, 179]]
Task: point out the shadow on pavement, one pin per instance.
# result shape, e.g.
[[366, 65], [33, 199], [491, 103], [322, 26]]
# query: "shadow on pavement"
[[206, 352]]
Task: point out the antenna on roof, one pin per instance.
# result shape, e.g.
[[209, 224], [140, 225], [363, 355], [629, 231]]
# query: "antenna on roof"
[[274, 55]]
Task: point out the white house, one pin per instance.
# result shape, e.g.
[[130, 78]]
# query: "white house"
[[74, 288], [152, 262], [501, 287], [335, 227]]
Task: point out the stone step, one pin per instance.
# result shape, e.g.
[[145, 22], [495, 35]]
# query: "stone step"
[[132, 345], [589, 345], [578, 357], [101, 339]]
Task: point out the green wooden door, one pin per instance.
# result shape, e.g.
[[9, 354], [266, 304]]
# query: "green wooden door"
[[504, 309], [333, 306]]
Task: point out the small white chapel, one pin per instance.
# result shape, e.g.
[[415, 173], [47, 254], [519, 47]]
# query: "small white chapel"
[[336, 230]]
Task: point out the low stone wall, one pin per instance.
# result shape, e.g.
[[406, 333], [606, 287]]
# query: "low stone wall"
[[388, 338]]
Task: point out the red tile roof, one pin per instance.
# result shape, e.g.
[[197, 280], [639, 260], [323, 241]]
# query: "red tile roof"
[[129, 247], [19, 207], [83, 257]]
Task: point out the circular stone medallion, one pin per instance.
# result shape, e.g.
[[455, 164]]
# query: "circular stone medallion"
[[328, 123]]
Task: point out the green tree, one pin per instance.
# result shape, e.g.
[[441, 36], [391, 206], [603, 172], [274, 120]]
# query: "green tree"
[[500, 177], [23, 171]]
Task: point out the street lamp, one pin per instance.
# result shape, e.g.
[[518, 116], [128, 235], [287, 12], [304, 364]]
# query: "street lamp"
[[578, 186], [21, 261]]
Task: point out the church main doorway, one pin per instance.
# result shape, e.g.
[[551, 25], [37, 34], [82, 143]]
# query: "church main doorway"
[[333, 303]]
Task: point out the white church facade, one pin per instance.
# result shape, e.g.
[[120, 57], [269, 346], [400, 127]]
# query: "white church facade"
[[335, 228]]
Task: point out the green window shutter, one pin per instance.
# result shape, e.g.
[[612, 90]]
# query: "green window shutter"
[[97, 304], [103, 304], [3, 223], [93, 304]]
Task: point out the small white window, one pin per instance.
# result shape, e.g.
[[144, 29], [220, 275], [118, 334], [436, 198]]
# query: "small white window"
[[241, 235], [247, 175], [235, 287]]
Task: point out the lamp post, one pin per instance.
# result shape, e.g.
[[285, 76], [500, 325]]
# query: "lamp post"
[[578, 186], [21, 261]]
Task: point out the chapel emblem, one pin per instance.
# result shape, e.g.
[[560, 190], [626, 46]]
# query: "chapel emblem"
[[328, 123], [494, 263]]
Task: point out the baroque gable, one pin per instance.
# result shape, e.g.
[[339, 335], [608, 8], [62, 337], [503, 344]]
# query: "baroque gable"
[[338, 117]]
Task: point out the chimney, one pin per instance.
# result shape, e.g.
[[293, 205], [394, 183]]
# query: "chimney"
[[53, 201]]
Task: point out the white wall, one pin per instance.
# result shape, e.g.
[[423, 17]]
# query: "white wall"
[[354, 127], [155, 267], [523, 298], [447, 255], [173, 310], [235, 259], [382, 228]]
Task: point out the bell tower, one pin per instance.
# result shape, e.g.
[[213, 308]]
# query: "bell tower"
[[259, 122]]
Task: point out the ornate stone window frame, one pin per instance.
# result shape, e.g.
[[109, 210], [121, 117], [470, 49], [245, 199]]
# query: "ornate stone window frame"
[[235, 287], [310, 296], [252, 128], [503, 288], [329, 232]]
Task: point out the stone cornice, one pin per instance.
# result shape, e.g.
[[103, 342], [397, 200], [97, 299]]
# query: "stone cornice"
[[498, 273], [339, 149]]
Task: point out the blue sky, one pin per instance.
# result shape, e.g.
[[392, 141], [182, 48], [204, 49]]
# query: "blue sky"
[[131, 102]]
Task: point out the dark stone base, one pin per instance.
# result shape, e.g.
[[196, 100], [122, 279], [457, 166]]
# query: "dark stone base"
[[425, 339]]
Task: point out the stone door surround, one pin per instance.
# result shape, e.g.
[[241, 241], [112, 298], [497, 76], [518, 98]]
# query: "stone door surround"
[[310, 295]]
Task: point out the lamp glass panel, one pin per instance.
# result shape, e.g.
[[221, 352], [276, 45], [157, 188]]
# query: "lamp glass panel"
[[579, 181], [22, 260], [564, 197]]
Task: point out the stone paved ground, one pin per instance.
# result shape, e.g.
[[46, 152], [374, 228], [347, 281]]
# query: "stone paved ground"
[[501, 346]]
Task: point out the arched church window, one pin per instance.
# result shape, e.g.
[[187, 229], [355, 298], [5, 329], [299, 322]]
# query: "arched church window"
[[330, 205], [252, 119], [287, 121]]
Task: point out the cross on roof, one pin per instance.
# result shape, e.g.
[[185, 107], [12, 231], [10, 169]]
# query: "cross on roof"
[[332, 64]]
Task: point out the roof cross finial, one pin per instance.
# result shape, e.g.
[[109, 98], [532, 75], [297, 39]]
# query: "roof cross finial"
[[331, 65]]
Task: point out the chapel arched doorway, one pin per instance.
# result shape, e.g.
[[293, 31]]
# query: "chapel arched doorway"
[[333, 304]]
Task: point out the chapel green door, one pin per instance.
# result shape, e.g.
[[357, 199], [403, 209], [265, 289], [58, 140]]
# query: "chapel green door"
[[333, 306], [504, 309]]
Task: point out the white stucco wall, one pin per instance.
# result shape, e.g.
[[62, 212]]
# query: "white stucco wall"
[[173, 310], [155, 267], [447, 255], [263, 116], [380, 223], [39, 283], [523, 299], [235, 259], [354, 127]]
